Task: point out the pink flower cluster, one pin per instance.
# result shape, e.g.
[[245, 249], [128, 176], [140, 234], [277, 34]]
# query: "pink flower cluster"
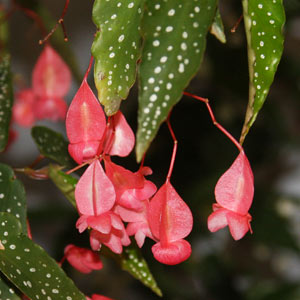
[[51, 80], [107, 196]]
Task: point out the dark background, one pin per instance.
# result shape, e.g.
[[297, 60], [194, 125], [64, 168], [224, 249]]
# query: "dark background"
[[262, 266]]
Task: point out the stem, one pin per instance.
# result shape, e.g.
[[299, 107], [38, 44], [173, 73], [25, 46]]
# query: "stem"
[[219, 126], [89, 68], [174, 148], [59, 22], [82, 165], [236, 25]]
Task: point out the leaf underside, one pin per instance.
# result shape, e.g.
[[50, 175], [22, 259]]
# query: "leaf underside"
[[264, 22], [6, 101], [116, 49], [217, 27], [52, 145], [30, 268], [175, 38]]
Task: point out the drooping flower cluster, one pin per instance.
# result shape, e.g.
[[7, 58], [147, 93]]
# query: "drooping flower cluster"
[[51, 80], [106, 198]]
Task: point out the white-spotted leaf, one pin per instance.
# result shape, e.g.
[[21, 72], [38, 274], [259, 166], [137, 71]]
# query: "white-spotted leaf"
[[116, 49], [66, 183], [6, 100], [133, 262], [7, 290], [12, 195], [175, 37], [30, 268], [52, 145], [264, 22]]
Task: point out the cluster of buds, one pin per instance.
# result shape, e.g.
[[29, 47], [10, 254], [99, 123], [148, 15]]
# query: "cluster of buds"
[[51, 80]]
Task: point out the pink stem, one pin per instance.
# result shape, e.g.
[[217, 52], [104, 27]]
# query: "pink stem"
[[88, 69], [174, 149], [219, 126]]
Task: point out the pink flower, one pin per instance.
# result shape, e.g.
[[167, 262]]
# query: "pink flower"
[[88, 133], [98, 297], [51, 76], [84, 260], [234, 193], [51, 79], [23, 113], [170, 220]]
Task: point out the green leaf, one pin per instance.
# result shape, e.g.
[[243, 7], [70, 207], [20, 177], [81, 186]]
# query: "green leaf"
[[217, 27], [12, 195], [6, 100], [52, 144], [264, 21], [7, 291], [66, 183], [175, 37], [133, 262], [116, 49], [30, 268]]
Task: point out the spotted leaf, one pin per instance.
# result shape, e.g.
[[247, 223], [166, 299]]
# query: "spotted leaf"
[[12, 195], [264, 21], [175, 37], [116, 48], [6, 101], [30, 268], [217, 27], [52, 145], [66, 183], [133, 262], [7, 291]]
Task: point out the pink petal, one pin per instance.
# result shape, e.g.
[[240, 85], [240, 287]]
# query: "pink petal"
[[129, 215], [217, 220], [94, 192], [23, 108], [100, 297], [238, 225], [51, 76], [82, 224], [82, 151], [83, 259], [124, 140], [173, 253], [101, 223], [85, 121], [169, 217], [116, 222], [51, 108], [147, 191], [128, 200], [235, 189]]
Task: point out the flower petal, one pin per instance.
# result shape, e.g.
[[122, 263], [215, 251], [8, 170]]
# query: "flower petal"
[[238, 225], [217, 220], [94, 192], [124, 139], [235, 189], [85, 121], [173, 253], [169, 217], [51, 76]]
